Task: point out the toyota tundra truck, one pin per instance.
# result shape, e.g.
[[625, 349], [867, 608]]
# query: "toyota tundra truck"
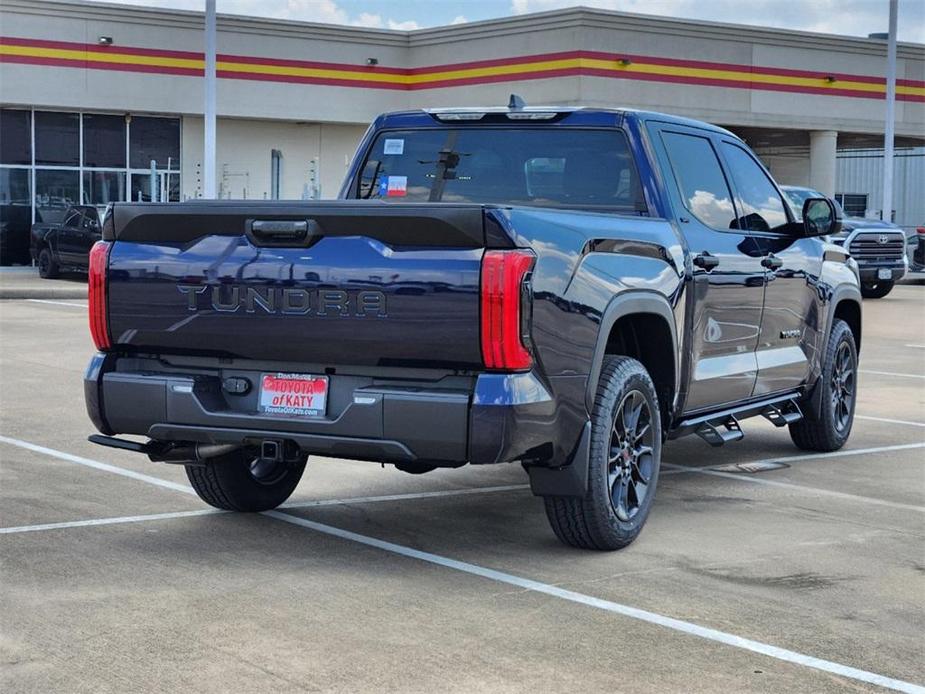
[[564, 288]]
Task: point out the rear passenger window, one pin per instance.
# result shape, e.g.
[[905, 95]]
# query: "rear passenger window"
[[700, 179], [762, 207]]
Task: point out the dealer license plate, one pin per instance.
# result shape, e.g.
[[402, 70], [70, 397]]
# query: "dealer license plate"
[[293, 395], [884, 274]]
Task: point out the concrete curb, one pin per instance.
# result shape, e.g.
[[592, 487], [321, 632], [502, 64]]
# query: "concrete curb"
[[17, 293]]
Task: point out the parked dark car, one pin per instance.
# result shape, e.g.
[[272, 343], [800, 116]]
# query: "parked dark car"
[[15, 220], [585, 284], [65, 246], [917, 261], [880, 248]]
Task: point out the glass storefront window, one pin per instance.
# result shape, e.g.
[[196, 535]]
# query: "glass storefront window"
[[55, 191], [154, 138], [167, 187], [15, 215], [104, 141], [15, 137], [103, 187], [57, 138]]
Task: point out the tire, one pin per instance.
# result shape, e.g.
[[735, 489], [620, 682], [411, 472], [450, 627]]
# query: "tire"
[[877, 290], [596, 521], [829, 429], [230, 482], [48, 267]]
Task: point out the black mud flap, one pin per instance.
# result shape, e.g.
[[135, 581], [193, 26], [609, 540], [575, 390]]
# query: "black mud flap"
[[568, 480]]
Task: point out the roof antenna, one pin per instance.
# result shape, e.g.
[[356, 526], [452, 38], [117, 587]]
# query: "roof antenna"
[[516, 102]]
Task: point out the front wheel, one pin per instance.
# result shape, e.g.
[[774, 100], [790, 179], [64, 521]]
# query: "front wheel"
[[626, 447], [48, 268], [828, 427], [240, 481], [876, 290]]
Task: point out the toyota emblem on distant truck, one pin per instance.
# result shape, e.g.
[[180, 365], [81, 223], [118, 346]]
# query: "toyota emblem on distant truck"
[[883, 239]]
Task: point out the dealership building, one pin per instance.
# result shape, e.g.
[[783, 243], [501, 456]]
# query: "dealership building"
[[104, 102]]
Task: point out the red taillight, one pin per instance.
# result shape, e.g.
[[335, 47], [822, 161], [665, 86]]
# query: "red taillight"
[[503, 291], [96, 295], [920, 231]]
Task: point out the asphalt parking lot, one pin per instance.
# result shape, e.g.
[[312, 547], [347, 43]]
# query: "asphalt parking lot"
[[116, 578]]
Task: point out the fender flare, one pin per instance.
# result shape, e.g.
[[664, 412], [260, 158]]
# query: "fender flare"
[[631, 302], [843, 292], [572, 479]]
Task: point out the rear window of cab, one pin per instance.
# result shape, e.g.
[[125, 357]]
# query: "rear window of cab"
[[550, 167]]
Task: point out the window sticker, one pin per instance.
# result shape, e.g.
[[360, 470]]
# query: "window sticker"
[[397, 186], [394, 147]]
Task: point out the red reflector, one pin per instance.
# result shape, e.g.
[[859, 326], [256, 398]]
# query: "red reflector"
[[920, 231], [96, 295], [503, 275]]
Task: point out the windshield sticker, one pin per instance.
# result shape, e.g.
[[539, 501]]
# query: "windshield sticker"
[[394, 147], [397, 186]]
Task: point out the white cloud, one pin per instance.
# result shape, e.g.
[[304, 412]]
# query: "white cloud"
[[403, 26], [850, 17], [459, 19]]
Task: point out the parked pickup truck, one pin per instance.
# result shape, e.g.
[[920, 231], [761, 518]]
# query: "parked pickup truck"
[[65, 246], [879, 247], [563, 288]]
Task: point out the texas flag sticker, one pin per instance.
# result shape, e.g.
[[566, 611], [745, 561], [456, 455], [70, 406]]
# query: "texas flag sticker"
[[397, 186]]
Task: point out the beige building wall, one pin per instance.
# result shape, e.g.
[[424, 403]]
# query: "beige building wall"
[[314, 157]]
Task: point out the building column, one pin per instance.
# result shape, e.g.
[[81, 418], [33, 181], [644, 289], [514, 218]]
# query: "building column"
[[822, 148]]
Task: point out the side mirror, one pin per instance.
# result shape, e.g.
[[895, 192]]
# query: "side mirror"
[[820, 217]]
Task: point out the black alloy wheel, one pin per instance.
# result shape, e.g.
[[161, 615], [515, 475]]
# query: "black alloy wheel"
[[629, 467], [842, 387]]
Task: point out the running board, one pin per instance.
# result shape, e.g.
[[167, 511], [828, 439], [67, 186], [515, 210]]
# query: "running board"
[[718, 433], [782, 415], [720, 428]]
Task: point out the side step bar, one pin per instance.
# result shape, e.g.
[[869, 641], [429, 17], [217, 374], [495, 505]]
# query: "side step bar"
[[720, 428], [180, 453], [718, 433]]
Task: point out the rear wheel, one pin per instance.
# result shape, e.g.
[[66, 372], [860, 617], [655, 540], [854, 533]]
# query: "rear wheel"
[[240, 481], [48, 267], [626, 440], [876, 290], [828, 429]]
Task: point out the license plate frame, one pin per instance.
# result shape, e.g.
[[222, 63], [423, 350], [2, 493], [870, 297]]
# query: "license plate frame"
[[300, 396], [884, 274]]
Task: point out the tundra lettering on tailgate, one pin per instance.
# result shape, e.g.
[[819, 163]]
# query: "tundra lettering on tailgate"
[[229, 298]]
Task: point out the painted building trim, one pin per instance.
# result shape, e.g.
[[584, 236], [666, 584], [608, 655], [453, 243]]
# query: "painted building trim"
[[19, 50]]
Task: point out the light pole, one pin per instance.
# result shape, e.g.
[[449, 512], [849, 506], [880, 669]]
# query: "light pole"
[[887, 205], [208, 156]]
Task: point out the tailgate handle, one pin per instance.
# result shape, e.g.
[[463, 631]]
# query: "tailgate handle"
[[277, 232]]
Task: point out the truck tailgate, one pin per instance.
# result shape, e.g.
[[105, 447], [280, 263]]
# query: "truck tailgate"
[[366, 283]]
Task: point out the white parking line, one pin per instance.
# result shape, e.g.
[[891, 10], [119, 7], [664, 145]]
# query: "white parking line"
[[107, 521], [404, 497], [890, 373], [608, 606], [74, 304], [544, 588], [889, 421], [117, 520], [813, 490], [915, 346], [105, 467]]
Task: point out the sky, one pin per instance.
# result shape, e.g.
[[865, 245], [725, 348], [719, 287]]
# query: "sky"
[[850, 17]]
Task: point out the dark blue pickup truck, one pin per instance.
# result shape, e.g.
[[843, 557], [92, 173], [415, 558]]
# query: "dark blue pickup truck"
[[563, 288]]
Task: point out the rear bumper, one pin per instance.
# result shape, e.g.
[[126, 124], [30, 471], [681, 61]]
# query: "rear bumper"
[[490, 418]]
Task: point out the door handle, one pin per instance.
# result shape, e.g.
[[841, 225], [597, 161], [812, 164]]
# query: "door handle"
[[706, 261], [772, 262]]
